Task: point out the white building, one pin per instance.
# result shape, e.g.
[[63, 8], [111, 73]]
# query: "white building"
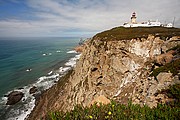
[[169, 25], [149, 23]]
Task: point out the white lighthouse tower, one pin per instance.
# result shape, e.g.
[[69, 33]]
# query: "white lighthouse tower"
[[133, 18]]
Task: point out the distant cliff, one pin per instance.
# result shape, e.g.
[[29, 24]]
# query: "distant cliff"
[[121, 65]]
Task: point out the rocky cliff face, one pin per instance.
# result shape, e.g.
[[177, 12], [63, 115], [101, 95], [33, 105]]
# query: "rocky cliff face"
[[118, 69]]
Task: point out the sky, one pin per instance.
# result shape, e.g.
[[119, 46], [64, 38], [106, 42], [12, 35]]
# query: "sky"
[[79, 18]]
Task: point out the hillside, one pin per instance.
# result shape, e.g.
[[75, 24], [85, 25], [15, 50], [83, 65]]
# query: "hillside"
[[121, 33], [121, 64]]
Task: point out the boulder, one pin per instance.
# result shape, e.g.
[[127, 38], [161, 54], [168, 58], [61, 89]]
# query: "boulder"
[[33, 90], [14, 97], [164, 77], [100, 100], [165, 58]]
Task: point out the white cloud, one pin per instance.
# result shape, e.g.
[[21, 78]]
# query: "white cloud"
[[60, 17]]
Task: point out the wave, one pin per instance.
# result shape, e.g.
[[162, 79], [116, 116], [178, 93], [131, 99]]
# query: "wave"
[[50, 72], [22, 109], [45, 54], [72, 51], [72, 61], [64, 69]]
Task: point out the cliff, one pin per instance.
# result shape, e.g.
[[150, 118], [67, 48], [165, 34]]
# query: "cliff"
[[118, 64]]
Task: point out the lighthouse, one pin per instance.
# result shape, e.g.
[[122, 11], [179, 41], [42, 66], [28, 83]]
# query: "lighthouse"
[[133, 18], [149, 23]]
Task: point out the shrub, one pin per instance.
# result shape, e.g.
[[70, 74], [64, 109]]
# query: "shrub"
[[116, 111], [174, 92], [173, 67]]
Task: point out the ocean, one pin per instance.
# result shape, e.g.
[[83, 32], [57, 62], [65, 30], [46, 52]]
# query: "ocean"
[[28, 62]]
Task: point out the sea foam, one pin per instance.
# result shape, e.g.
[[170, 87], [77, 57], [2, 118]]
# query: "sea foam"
[[72, 61], [72, 51], [43, 83]]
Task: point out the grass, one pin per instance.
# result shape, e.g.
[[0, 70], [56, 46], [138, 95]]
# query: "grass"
[[121, 33]]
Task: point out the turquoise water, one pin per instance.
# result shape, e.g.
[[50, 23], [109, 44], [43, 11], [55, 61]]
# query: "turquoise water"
[[19, 54], [41, 55]]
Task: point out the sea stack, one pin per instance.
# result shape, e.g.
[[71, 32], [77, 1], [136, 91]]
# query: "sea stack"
[[14, 97]]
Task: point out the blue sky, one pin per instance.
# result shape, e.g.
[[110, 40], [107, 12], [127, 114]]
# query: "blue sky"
[[40, 18]]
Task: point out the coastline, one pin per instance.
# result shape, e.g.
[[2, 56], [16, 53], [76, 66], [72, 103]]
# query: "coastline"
[[48, 97], [63, 72], [98, 72], [45, 101], [43, 84]]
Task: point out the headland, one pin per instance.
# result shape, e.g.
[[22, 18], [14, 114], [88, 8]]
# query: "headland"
[[121, 64]]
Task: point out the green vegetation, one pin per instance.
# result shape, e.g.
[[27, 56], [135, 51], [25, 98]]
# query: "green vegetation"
[[121, 33], [176, 48], [173, 92], [115, 111], [173, 67]]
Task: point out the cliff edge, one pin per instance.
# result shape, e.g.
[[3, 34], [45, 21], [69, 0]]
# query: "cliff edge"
[[118, 64]]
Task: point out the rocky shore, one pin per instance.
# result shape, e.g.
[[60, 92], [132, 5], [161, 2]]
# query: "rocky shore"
[[118, 69]]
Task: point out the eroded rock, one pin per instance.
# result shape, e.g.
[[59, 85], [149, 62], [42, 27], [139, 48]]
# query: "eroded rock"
[[14, 97], [100, 100], [79, 49], [33, 90], [164, 58]]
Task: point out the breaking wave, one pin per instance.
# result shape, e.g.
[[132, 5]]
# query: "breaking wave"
[[22, 109]]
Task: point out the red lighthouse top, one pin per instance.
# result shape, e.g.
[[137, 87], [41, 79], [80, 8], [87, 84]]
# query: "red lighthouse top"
[[133, 14]]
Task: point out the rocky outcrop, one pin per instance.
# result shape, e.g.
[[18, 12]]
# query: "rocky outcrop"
[[118, 70], [164, 58], [79, 48], [33, 90], [14, 97]]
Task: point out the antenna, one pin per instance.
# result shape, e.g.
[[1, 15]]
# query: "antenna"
[[174, 21]]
